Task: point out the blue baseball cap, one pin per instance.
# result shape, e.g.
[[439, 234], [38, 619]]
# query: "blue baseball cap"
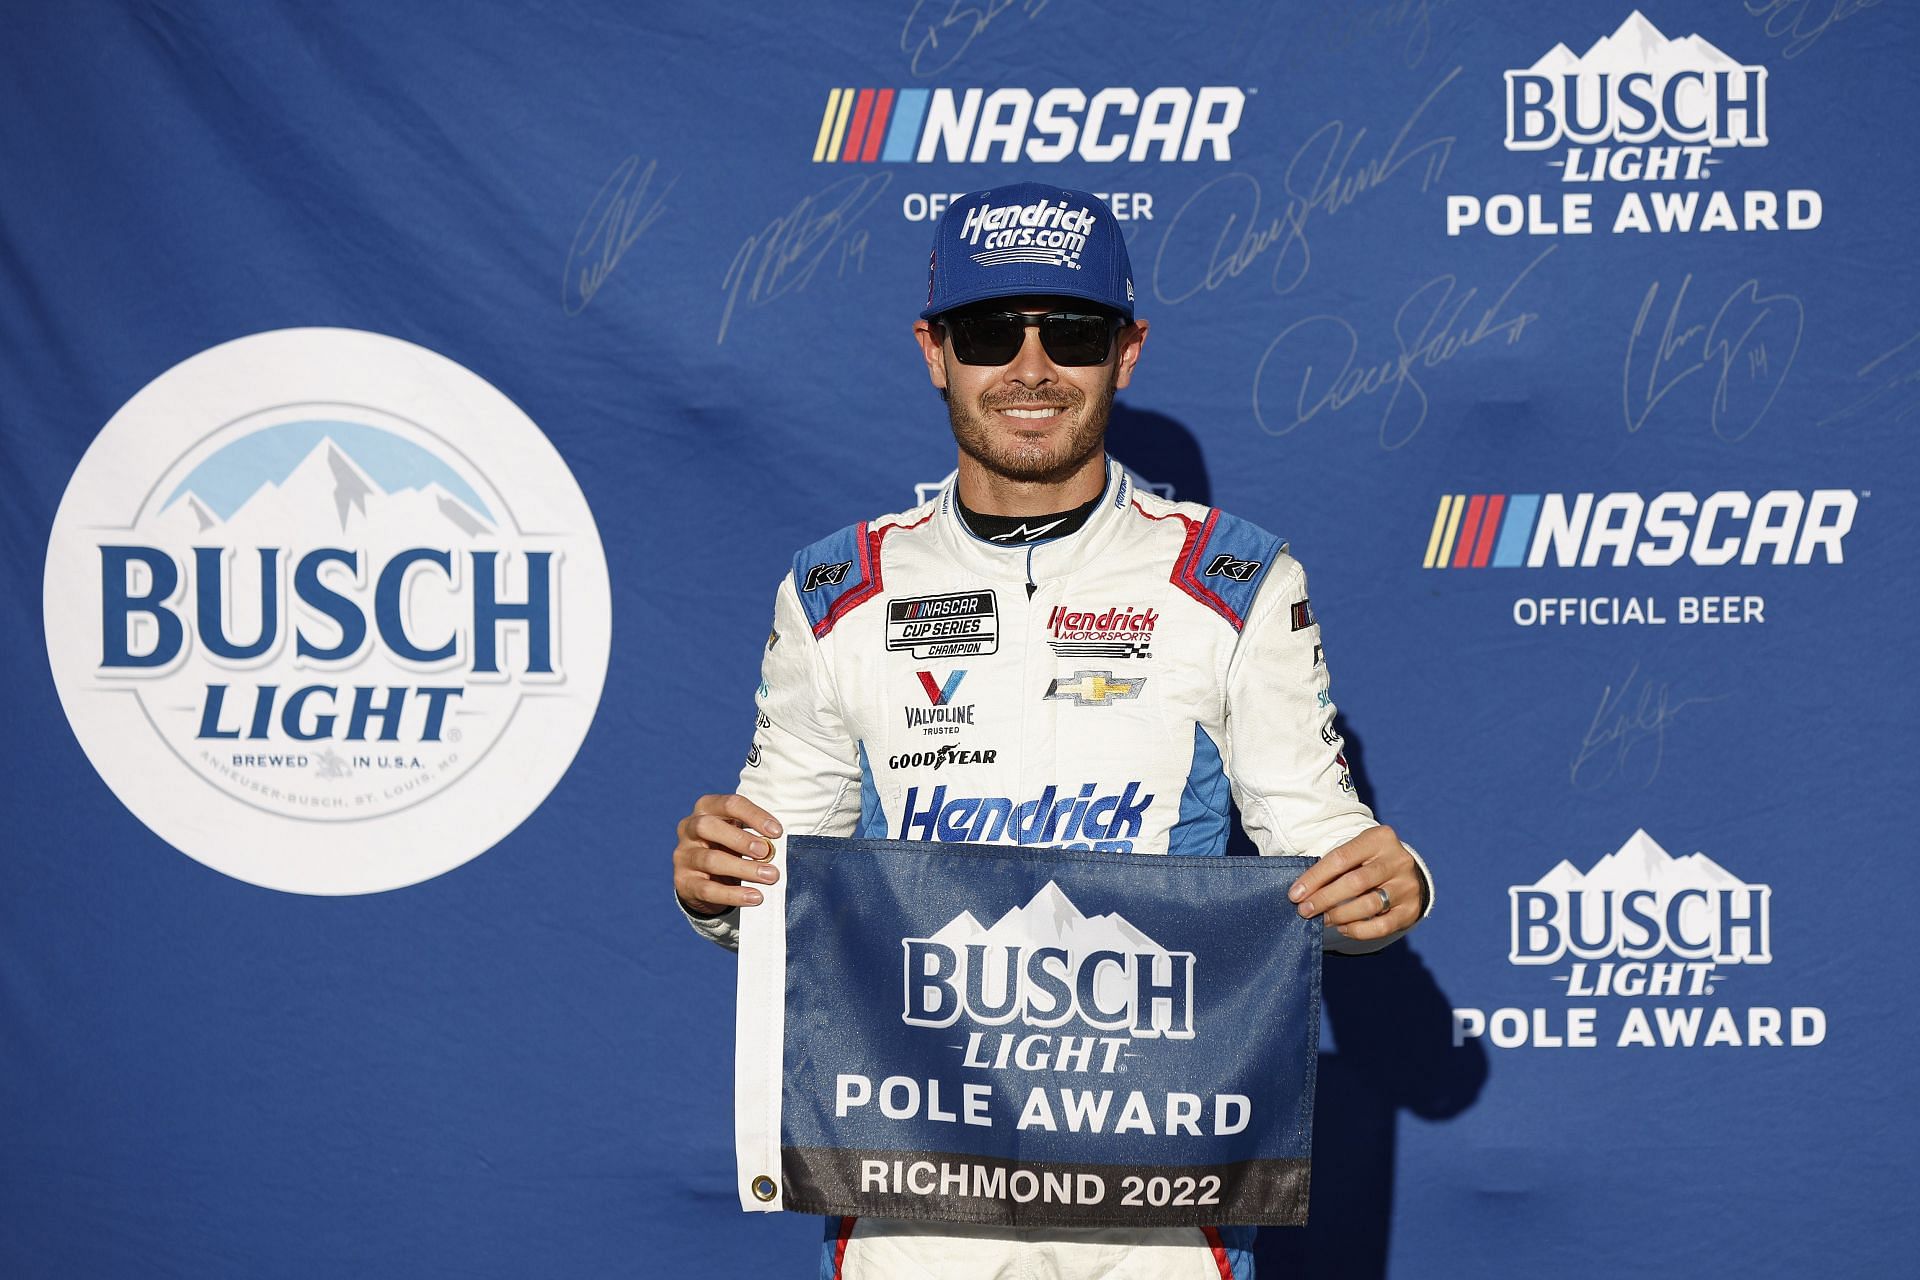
[[1028, 238]]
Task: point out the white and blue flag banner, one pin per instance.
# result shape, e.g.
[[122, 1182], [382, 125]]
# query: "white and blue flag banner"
[[1025, 1037]]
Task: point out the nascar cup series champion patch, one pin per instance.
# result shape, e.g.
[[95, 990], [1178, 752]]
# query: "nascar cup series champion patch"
[[1023, 1037]]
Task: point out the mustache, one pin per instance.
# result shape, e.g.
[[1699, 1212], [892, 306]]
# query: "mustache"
[[1052, 398]]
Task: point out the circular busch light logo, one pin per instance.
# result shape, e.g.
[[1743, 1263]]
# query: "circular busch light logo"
[[326, 610]]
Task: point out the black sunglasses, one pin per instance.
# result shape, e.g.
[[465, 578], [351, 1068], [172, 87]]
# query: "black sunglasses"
[[995, 337]]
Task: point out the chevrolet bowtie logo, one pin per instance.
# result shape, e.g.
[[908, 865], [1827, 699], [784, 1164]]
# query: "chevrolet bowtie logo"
[[1095, 688]]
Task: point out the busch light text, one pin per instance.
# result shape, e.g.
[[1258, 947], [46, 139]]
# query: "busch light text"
[[1715, 108], [1722, 925], [337, 607], [1048, 987]]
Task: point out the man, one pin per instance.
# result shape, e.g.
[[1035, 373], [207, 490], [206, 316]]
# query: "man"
[[1044, 628]]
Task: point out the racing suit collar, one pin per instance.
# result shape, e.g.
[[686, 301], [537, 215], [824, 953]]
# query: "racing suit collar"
[[1047, 560]]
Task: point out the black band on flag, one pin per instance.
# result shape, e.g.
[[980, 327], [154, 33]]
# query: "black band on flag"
[[951, 1186]]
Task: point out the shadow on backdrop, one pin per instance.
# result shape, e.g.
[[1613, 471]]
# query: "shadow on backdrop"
[[1392, 1026], [1392, 1051], [1161, 451]]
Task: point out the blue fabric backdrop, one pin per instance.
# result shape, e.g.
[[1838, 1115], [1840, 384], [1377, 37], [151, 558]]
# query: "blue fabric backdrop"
[[615, 215]]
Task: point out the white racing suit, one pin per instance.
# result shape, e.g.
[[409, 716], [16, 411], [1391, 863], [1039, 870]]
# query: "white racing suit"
[[1105, 690]]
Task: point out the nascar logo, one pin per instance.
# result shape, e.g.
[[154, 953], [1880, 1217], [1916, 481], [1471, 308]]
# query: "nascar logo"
[[1531, 529], [919, 126]]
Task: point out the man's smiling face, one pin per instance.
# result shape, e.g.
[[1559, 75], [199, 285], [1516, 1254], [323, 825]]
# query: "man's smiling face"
[[1030, 420]]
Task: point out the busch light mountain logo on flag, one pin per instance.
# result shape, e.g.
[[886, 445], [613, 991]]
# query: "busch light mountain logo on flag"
[[1051, 966], [327, 612], [1109, 1050]]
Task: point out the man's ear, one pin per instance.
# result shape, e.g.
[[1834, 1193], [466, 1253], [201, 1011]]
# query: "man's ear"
[[932, 337], [1131, 338]]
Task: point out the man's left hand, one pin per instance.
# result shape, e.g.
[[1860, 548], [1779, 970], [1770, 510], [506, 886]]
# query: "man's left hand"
[[1344, 886]]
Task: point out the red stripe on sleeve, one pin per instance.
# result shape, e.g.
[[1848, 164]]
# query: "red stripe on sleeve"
[[862, 108], [1463, 549], [1183, 575], [1489, 524], [1219, 1248], [871, 584], [840, 1246], [877, 127]]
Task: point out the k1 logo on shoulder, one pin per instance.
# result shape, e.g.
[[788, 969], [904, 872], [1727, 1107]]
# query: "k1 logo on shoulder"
[[1641, 109], [1640, 926], [1107, 1050], [305, 636], [826, 575]]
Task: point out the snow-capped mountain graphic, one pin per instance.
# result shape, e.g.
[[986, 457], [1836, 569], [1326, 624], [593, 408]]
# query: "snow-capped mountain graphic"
[[1641, 863], [1639, 902], [1637, 45], [328, 490], [992, 956], [1050, 919], [1638, 87]]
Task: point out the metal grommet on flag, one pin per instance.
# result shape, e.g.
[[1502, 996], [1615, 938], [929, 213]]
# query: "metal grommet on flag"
[[765, 1188]]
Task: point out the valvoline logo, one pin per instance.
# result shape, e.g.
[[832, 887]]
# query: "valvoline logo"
[[941, 694], [1014, 125], [306, 638]]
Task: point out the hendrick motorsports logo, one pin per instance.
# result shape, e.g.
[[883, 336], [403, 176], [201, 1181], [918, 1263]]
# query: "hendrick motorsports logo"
[[326, 611], [1641, 924], [1637, 108], [1117, 632]]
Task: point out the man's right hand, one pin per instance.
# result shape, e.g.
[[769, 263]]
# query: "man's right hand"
[[724, 841]]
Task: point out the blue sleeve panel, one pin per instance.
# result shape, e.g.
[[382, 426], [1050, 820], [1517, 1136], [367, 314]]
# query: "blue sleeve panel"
[[832, 575], [1225, 563], [873, 819], [1202, 825]]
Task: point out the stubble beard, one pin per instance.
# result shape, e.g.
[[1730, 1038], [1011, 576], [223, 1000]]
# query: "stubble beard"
[[1033, 461]]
